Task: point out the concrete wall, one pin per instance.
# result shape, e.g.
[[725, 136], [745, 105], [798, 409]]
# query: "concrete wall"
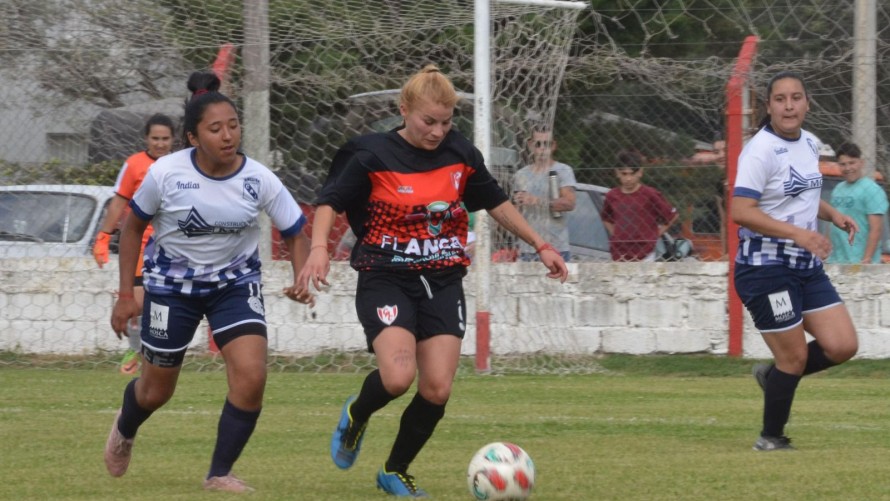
[[64, 306]]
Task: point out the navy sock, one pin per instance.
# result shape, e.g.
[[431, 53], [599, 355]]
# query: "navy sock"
[[816, 359], [418, 422], [777, 398], [234, 430], [372, 397], [132, 416]]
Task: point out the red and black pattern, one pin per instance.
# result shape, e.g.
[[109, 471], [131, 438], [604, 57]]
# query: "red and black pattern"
[[407, 206]]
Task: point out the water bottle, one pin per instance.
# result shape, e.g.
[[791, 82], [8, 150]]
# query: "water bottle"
[[554, 192]]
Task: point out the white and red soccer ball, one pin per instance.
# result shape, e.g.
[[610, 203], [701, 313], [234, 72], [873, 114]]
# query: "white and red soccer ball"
[[501, 471]]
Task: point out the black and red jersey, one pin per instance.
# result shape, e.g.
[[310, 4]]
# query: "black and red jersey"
[[408, 206]]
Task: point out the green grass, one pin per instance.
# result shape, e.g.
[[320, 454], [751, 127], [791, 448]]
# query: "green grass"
[[678, 427]]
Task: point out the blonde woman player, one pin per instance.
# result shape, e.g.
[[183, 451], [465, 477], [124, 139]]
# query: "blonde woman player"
[[402, 192]]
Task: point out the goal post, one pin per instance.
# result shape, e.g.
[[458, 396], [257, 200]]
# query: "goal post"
[[739, 114], [482, 59]]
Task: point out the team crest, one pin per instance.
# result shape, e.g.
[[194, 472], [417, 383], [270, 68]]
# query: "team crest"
[[387, 314], [251, 191], [455, 179]]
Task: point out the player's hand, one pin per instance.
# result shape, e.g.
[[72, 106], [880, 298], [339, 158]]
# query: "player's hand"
[[100, 248], [125, 310], [316, 270], [847, 224], [300, 295], [815, 242], [554, 262]]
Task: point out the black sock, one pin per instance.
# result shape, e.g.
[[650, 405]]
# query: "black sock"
[[816, 359], [372, 397], [777, 398], [234, 430], [418, 422], [132, 416]]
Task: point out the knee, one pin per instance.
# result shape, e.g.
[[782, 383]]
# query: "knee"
[[397, 386], [436, 393], [842, 352]]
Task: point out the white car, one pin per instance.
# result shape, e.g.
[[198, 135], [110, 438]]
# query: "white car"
[[51, 220]]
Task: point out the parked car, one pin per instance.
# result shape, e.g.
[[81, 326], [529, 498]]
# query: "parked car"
[[51, 220], [588, 238]]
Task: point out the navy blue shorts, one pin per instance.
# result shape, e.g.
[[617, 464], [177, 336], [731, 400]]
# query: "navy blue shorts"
[[777, 297], [169, 322], [424, 304]]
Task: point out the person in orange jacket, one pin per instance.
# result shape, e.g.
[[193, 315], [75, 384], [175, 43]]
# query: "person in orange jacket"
[[158, 132]]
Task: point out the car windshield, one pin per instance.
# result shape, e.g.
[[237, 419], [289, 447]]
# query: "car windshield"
[[44, 216]]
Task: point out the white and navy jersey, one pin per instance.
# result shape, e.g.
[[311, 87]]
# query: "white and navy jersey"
[[206, 229], [783, 176]]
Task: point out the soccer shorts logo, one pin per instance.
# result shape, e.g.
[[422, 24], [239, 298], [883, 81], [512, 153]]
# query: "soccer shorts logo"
[[781, 305], [160, 315], [387, 314]]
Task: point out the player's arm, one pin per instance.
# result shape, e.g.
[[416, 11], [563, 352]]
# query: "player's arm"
[[318, 264], [508, 216], [745, 212], [126, 307], [109, 223], [298, 247]]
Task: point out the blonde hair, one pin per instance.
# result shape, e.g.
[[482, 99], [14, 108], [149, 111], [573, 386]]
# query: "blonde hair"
[[428, 84]]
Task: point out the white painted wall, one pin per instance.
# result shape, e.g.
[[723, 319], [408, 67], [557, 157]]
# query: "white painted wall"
[[64, 306]]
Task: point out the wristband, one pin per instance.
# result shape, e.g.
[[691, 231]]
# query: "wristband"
[[546, 246], [125, 295]]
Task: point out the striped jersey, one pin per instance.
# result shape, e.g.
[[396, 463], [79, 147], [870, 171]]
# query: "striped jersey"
[[783, 176], [404, 203], [206, 228]]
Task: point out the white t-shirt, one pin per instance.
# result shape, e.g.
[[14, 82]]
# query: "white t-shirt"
[[206, 229], [783, 176]]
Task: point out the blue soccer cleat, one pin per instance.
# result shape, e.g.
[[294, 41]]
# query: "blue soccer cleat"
[[347, 440], [399, 484]]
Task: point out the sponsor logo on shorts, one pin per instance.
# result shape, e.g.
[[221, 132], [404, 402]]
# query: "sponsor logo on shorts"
[[781, 305], [160, 316], [388, 314]]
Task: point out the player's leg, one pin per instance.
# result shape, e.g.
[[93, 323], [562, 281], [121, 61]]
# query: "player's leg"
[[789, 350], [826, 318], [168, 327], [441, 326], [237, 321], [387, 315]]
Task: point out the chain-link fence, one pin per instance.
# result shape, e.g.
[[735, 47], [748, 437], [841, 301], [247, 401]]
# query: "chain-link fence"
[[80, 78]]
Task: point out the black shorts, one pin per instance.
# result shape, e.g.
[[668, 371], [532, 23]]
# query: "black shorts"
[[425, 304]]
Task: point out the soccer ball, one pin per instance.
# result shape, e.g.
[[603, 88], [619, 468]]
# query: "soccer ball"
[[501, 471]]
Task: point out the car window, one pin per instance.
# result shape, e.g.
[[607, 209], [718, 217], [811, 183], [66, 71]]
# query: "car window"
[[44, 216], [586, 228]]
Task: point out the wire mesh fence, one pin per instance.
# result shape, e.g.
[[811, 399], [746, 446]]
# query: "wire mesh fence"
[[80, 78]]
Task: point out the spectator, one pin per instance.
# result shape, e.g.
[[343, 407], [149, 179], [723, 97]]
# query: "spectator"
[[402, 192], [203, 260], [635, 215], [531, 194], [778, 266], [859, 197], [158, 133]]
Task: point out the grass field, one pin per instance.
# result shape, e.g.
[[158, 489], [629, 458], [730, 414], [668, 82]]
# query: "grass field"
[[647, 428]]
